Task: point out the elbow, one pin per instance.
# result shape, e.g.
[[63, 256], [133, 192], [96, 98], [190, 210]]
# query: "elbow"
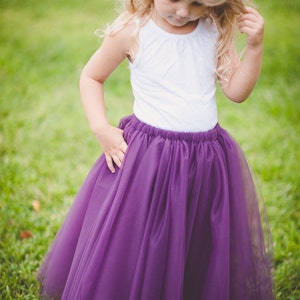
[[237, 95], [237, 98], [238, 91], [87, 81], [83, 76]]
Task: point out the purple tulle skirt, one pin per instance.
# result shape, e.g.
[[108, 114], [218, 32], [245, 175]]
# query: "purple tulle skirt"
[[179, 220]]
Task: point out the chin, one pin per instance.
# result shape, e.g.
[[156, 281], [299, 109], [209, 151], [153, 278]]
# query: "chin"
[[178, 23]]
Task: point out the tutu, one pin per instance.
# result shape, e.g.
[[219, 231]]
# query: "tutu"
[[179, 220]]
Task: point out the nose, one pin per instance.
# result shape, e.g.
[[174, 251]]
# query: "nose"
[[182, 11]]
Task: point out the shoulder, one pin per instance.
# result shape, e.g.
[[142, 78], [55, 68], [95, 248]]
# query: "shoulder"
[[122, 37]]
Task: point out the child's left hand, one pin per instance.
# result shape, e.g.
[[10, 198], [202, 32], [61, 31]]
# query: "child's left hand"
[[252, 24]]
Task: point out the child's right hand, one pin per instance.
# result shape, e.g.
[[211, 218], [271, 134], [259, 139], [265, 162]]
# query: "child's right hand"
[[113, 146]]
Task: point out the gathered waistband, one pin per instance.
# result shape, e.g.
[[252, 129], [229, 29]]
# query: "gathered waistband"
[[135, 124]]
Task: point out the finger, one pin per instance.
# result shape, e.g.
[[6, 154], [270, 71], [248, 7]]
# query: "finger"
[[121, 156], [120, 130], [252, 10], [248, 24], [118, 159], [253, 15], [123, 146], [252, 22], [251, 25], [248, 31], [109, 163], [248, 18]]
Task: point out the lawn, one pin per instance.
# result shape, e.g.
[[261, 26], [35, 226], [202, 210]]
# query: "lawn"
[[46, 147]]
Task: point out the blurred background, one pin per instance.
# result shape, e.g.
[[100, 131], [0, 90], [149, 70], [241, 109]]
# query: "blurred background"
[[46, 147]]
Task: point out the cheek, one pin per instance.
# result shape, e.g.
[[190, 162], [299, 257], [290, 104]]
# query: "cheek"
[[162, 10], [197, 13]]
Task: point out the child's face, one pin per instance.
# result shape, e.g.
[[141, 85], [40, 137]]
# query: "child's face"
[[179, 12]]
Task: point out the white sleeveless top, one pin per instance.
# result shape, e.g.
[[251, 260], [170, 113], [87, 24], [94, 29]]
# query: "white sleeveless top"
[[173, 78]]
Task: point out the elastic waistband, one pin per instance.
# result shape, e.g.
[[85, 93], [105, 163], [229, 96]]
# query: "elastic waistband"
[[135, 124]]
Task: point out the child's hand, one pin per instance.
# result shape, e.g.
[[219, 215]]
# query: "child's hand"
[[113, 146], [252, 24]]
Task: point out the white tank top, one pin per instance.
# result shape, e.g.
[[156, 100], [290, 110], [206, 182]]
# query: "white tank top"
[[173, 78]]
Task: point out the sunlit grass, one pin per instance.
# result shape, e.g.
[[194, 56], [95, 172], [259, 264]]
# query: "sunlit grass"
[[46, 148]]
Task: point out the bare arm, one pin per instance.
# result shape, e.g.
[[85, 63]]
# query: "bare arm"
[[99, 67], [246, 72]]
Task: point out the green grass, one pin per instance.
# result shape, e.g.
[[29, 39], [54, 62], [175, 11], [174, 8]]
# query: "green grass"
[[46, 148]]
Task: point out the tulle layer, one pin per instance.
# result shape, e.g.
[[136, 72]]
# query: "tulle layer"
[[179, 220]]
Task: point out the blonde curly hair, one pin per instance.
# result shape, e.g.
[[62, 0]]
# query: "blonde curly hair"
[[223, 12]]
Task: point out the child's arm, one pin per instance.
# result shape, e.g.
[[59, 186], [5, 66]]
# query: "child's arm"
[[246, 73], [99, 67]]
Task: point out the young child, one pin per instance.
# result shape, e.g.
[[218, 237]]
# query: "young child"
[[170, 210]]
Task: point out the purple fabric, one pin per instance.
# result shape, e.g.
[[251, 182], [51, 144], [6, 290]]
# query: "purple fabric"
[[179, 220]]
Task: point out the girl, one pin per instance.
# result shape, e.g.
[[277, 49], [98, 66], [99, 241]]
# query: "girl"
[[170, 210]]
